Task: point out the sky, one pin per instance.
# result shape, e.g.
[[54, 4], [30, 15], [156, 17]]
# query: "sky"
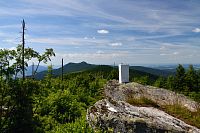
[[103, 32]]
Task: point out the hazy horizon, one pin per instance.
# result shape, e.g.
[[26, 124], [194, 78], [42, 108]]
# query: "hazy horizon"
[[145, 65], [139, 32]]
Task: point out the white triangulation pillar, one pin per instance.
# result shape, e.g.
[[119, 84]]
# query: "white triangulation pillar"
[[123, 73]]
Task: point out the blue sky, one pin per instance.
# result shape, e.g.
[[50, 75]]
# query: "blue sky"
[[104, 32]]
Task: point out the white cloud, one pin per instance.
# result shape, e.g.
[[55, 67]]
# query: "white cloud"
[[116, 44], [95, 57], [175, 53], [155, 20], [163, 54], [102, 31], [197, 30], [10, 26], [162, 48], [162, 24], [100, 52], [12, 48], [87, 38], [69, 41], [170, 54], [10, 41]]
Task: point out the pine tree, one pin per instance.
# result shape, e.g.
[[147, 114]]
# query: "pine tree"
[[191, 79], [170, 84], [198, 81], [160, 82], [180, 78]]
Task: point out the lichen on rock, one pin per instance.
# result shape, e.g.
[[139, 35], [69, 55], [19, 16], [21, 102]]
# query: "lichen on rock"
[[114, 114], [125, 118]]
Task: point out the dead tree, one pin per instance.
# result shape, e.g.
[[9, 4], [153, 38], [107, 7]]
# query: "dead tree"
[[23, 43]]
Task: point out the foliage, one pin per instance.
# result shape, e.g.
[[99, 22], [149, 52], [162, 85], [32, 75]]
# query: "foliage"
[[170, 84], [79, 126], [16, 94], [53, 105], [160, 82], [184, 81], [11, 60], [180, 78], [142, 80], [61, 106], [17, 103]]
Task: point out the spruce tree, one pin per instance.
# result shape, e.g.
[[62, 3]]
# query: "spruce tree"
[[170, 84], [180, 78], [160, 82], [191, 79]]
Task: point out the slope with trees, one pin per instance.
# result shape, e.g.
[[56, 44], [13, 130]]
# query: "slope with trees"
[[184, 81]]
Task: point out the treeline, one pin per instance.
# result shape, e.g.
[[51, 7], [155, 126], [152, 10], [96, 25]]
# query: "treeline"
[[55, 105], [48, 105], [16, 95], [60, 106], [184, 81]]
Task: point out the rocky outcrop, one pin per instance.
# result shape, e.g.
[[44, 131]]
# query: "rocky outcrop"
[[123, 92], [114, 114], [124, 118]]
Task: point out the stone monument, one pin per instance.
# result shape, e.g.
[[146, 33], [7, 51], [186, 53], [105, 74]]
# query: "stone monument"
[[123, 73]]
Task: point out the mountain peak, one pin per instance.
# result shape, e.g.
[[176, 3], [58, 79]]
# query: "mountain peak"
[[83, 62]]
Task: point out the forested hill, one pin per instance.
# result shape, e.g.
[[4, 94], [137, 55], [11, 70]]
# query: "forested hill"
[[68, 68], [137, 71], [105, 71], [112, 73], [158, 72], [40, 69]]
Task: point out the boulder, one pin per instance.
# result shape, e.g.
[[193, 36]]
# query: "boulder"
[[122, 92], [119, 116], [115, 114]]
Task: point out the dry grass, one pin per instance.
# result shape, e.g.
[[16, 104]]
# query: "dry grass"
[[191, 118], [142, 102]]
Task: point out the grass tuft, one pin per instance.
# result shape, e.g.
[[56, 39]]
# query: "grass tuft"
[[142, 102], [191, 118]]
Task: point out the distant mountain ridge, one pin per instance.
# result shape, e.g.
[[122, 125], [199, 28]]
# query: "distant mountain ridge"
[[153, 71], [68, 68], [172, 68], [84, 66], [40, 69]]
